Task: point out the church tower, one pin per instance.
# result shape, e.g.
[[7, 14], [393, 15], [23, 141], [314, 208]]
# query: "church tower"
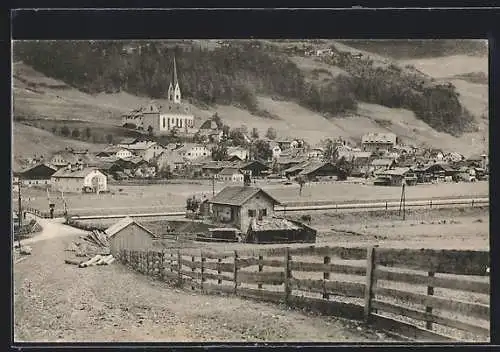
[[174, 91]]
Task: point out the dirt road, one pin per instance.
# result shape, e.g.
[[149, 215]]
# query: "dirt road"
[[57, 302]]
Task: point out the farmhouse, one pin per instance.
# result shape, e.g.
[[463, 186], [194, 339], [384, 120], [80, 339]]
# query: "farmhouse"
[[382, 164], [275, 149], [129, 234], [238, 205], [230, 174], [115, 151], [79, 179], [256, 168], [37, 175], [170, 159], [395, 177], [372, 142], [147, 150], [63, 158], [315, 153], [192, 151], [317, 169]]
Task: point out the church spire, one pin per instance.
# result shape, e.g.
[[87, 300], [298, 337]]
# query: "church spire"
[[174, 91]]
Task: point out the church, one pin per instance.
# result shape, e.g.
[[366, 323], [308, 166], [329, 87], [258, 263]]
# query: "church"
[[161, 121]]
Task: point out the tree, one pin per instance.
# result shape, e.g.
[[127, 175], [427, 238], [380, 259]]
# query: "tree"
[[330, 153], [219, 152], [65, 131], [262, 150], [225, 130], [88, 133], [165, 172], [75, 133], [237, 137], [271, 133], [255, 133], [109, 138], [301, 181], [150, 130]]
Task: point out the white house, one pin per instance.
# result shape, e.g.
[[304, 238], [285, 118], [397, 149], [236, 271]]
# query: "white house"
[[275, 149], [240, 152], [146, 150], [230, 174], [315, 153], [79, 179], [192, 151]]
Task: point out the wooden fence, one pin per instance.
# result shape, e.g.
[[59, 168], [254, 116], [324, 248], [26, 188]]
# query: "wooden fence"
[[428, 295]]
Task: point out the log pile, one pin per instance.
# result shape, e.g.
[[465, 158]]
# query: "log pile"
[[92, 250]]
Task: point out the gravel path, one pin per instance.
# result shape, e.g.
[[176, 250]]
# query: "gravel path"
[[57, 302]]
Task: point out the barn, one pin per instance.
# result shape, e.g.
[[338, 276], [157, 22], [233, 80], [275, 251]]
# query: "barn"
[[129, 234]]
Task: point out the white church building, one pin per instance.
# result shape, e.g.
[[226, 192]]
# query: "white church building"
[[160, 121]]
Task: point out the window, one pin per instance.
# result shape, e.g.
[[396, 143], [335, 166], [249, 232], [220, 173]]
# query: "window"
[[263, 212], [177, 122], [251, 213], [163, 122]]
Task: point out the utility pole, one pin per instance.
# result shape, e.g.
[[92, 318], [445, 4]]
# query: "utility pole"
[[213, 185], [402, 202], [20, 215]]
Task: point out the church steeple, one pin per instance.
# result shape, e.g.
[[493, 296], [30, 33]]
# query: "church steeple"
[[174, 91]]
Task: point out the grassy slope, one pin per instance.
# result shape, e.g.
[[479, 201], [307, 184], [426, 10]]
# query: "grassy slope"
[[49, 100]]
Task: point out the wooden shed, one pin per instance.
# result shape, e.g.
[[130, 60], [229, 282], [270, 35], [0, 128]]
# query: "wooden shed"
[[129, 234]]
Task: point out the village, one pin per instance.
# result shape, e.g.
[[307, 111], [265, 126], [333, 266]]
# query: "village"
[[182, 191]]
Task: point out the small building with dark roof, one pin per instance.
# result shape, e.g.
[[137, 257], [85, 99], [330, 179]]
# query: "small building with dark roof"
[[37, 175], [238, 205]]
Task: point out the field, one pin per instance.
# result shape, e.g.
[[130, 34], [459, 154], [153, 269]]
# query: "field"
[[124, 199], [450, 66]]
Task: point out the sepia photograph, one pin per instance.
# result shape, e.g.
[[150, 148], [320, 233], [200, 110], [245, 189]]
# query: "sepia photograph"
[[250, 190]]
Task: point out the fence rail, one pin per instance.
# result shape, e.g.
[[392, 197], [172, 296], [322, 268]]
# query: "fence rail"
[[383, 289]]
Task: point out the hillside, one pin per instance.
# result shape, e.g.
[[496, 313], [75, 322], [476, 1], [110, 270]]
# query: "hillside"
[[36, 95], [29, 141]]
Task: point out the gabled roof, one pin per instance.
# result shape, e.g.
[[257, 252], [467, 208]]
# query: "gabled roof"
[[65, 173], [141, 145], [382, 162], [40, 171], [238, 195], [228, 171], [313, 166], [130, 140], [399, 171], [120, 225]]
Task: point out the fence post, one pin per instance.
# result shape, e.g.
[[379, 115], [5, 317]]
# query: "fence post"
[[179, 265], [193, 269], [261, 267], [219, 261], [370, 256], [148, 259], [235, 272], [473, 203], [386, 206], [430, 292], [430, 203], [326, 276], [288, 274], [162, 265], [202, 269], [171, 261]]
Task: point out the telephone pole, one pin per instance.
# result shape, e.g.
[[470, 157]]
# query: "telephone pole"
[[20, 215], [213, 185]]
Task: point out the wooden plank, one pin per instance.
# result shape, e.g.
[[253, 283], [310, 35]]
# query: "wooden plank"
[[288, 274], [442, 282], [226, 267], [326, 276], [370, 256], [320, 267], [269, 278], [339, 288], [468, 309], [235, 274], [408, 330], [430, 292], [348, 253], [210, 276], [346, 310], [212, 288], [261, 268], [191, 274], [215, 255], [246, 262], [261, 295], [423, 316], [439, 261], [190, 264]]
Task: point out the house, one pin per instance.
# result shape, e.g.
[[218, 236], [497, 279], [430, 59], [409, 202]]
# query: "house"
[[193, 151], [63, 158], [79, 179], [147, 150], [238, 205], [374, 142], [211, 130], [115, 151], [284, 144], [256, 168], [396, 177], [230, 174], [175, 115], [344, 151], [241, 153], [170, 159], [382, 164], [37, 175], [317, 169], [315, 153], [434, 171], [15, 183], [130, 235], [275, 149]]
